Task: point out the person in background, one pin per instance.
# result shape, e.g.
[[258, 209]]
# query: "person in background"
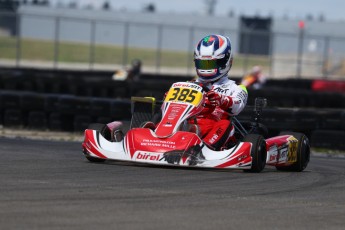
[[255, 79], [129, 74], [135, 71]]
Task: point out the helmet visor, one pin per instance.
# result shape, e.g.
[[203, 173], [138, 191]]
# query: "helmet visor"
[[206, 64]]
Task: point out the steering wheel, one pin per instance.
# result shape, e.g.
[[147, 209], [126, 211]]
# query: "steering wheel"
[[204, 88]]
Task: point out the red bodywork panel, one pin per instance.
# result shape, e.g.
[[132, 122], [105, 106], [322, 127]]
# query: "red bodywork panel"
[[170, 120], [141, 139]]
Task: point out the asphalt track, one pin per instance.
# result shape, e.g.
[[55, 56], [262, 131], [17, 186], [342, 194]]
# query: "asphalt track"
[[49, 185]]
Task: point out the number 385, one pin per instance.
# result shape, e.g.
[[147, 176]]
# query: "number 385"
[[186, 95]]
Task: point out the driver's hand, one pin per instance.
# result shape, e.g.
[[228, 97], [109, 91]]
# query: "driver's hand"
[[208, 107], [220, 100], [214, 98]]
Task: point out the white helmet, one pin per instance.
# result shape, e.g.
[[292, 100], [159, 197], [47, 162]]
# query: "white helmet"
[[213, 58]]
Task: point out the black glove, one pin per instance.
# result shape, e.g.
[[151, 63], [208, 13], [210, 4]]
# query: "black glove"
[[173, 157]]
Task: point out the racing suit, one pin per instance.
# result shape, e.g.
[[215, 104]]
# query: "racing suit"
[[214, 121]]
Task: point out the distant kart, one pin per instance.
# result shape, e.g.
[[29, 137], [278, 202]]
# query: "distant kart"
[[175, 142]]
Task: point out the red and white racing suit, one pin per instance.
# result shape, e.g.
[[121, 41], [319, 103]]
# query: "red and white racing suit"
[[215, 125]]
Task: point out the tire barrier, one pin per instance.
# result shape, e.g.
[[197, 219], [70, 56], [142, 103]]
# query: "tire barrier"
[[330, 139], [13, 118], [290, 83], [59, 112], [280, 93], [278, 97], [332, 120], [70, 100], [37, 120], [321, 126], [51, 73], [107, 88]]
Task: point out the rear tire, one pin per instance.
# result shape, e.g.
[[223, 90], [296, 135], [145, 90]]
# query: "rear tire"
[[303, 153], [258, 152]]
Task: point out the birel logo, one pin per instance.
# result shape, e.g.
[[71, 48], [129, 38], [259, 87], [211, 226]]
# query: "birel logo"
[[148, 156]]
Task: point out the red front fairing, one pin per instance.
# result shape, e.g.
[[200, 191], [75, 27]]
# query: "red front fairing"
[[171, 119], [144, 140], [181, 149], [182, 101]]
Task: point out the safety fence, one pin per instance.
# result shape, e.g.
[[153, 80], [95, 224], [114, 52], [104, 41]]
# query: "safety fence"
[[51, 40], [50, 102]]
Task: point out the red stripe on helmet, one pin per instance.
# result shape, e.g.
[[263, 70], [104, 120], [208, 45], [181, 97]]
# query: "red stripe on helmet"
[[221, 41]]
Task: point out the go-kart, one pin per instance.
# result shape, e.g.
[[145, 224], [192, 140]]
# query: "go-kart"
[[175, 142]]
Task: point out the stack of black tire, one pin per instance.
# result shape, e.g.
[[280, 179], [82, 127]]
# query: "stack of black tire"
[[24, 109], [60, 101], [294, 106], [70, 100], [66, 100]]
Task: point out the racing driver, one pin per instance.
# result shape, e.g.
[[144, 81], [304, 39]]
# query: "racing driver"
[[213, 60]]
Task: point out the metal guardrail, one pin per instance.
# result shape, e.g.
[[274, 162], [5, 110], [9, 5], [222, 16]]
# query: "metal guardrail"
[[294, 61]]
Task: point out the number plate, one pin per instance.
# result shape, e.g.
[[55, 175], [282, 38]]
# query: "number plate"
[[185, 92]]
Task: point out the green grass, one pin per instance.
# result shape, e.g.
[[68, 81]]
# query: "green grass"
[[72, 52]]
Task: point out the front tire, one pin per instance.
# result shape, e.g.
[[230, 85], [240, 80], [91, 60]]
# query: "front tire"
[[303, 153], [258, 152]]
